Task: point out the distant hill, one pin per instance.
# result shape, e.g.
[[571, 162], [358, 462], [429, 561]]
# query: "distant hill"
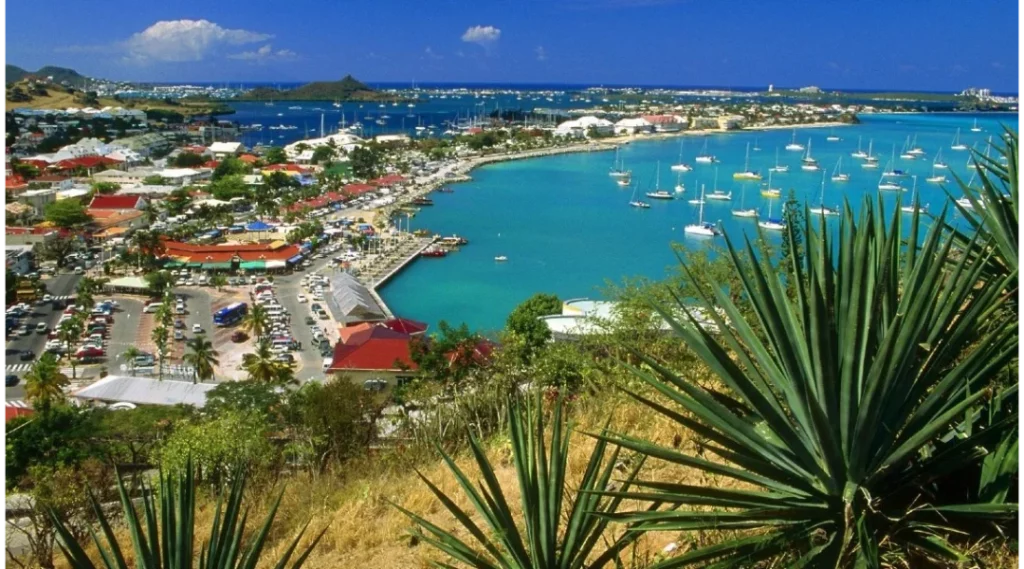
[[59, 74], [15, 74], [348, 89]]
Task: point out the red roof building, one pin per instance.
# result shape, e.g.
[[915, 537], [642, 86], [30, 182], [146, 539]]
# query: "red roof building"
[[13, 409], [389, 180], [249, 158], [358, 189], [87, 162], [15, 183], [406, 326], [370, 347], [117, 202]]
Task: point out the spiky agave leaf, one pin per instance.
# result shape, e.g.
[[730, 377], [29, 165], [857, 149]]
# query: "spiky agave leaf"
[[878, 353], [164, 537], [555, 531]]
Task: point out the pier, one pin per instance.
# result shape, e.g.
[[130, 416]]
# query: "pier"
[[381, 270]]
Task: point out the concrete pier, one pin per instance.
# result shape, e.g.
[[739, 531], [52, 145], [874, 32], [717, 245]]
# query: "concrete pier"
[[376, 276]]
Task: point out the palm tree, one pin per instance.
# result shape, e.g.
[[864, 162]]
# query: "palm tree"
[[256, 321], [264, 367], [68, 333], [844, 410], [44, 383], [219, 282], [160, 337], [165, 534], [563, 529], [202, 357], [129, 355]]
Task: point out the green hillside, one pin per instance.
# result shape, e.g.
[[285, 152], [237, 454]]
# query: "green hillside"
[[347, 89], [59, 74]]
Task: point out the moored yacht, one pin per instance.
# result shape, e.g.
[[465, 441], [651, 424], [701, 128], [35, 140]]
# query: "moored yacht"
[[778, 167], [701, 228], [837, 173], [658, 193], [771, 223], [859, 153], [793, 146], [808, 163], [914, 205], [681, 166], [823, 209], [975, 128], [704, 157], [747, 173], [957, 145]]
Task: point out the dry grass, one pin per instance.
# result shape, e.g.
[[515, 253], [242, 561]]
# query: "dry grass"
[[365, 531]]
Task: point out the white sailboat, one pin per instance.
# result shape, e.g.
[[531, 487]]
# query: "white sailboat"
[[915, 149], [768, 191], [700, 228], [859, 153], [618, 170], [822, 209], [635, 202], [623, 182], [704, 157], [957, 145], [747, 173], [890, 169], [975, 128], [681, 166], [743, 212], [717, 194], [756, 147], [832, 136], [970, 157], [771, 224], [905, 152], [889, 185], [808, 163], [658, 193], [680, 187], [914, 206], [837, 173], [778, 167], [870, 161], [793, 146], [935, 178]]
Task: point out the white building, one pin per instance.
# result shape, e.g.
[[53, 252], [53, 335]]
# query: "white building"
[[224, 149], [342, 141], [633, 125], [580, 127]]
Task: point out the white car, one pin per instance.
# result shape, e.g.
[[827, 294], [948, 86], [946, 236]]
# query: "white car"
[[300, 297], [197, 329]]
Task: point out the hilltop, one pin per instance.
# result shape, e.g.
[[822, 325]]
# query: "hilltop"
[[60, 75], [347, 89], [35, 93]]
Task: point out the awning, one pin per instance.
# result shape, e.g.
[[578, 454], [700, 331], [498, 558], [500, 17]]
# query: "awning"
[[305, 246], [194, 265], [253, 265], [217, 265], [258, 226], [275, 264], [173, 264], [295, 259]]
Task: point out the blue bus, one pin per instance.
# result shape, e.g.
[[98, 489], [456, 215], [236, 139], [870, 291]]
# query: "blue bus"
[[230, 314]]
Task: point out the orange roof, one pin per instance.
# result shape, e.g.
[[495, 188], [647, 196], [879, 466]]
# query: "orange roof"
[[248, 158]]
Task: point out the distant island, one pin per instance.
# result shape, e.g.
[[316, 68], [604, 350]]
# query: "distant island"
[[347, 89]]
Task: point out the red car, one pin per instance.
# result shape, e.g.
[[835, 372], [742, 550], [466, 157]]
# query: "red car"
[[88, 353]]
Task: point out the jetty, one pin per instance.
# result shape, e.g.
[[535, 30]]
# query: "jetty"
[[380, 270]]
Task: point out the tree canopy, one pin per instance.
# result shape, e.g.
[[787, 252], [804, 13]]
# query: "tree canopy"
[[67, 214]]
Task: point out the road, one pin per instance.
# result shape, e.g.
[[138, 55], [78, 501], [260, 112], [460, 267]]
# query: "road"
[[61, 285]]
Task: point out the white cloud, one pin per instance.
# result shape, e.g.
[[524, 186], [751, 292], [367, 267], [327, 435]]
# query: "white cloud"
[[541, 54], [186, 40], [483, 35], [264, 54]]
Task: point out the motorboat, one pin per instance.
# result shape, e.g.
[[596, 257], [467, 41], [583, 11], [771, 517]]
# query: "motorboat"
[[500, 259]]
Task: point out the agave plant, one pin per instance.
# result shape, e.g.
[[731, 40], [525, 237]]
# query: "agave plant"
[[841, 406], [165, 538], [993, 213], [560, 532]]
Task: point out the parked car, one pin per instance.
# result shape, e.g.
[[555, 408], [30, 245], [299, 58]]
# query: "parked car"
[[322, 315], [88, 352], [179, 324], [42, 328], [197, 329], [26, 355], [179, 335], [310, 321], [11, 380], [300, 297]]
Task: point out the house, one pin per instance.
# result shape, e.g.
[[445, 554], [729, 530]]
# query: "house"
[[374, 356], [88, 163], [583, 126], [633, 125], [276, 255], [123, 177], [19, 259], [731, 122], [38, 199], [183, 176], [118, 202], [29, 235], [132, 391], [667, 123], [106, 218], [225, 149]]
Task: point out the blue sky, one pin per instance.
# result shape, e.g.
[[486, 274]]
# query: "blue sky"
[[937, 45]]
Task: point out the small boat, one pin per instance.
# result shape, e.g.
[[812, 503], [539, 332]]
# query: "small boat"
[[859, 153], [772, 224], [634, 202], [793, 146], [617, 169], [720, 196], [935, 178], [905, 152], [957, 145], [915, 149], [704, 157], [768, 191], [422, 201], [747, 173], [778, 167], [296, 108], [870, 161], [445, 190], [658, 193], [837, 173], [914, 207], [822, 209], [832, 137], [681, 166], [742, 212], [808, 163], [975, 128], [756, 147], [433, 253], [939, 162], [500, 259], [623, 182], [454, 241], [680, 187], [890, 170], [701, 228], [889, 185]]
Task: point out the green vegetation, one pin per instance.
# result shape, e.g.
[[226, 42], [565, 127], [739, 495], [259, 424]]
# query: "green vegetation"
[[347, 89], [67, 214]]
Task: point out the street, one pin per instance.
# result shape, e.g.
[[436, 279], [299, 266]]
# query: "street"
[[61, 285]]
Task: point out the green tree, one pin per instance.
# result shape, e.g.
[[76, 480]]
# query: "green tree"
[[219, 282], [53, 436], [216, 445], [202, 357], [159, 282], [230, 166], [57, 248], [449, 357], [793, 215], [366, 161], [256, 321], [44, 382], [154, 180], [68, 332], [12, 287], [323, 154], [67, 214], [129, 355], [333, 421], [265, 399], [105, 187], [841, 409], [275, 155], [263, 366], [229, 187], [524, 322], [189, 160]]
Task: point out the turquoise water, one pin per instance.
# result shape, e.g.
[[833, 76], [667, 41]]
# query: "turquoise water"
[[566, 228]]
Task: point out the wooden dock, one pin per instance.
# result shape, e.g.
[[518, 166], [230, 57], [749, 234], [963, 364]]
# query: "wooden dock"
[[393, 268]]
